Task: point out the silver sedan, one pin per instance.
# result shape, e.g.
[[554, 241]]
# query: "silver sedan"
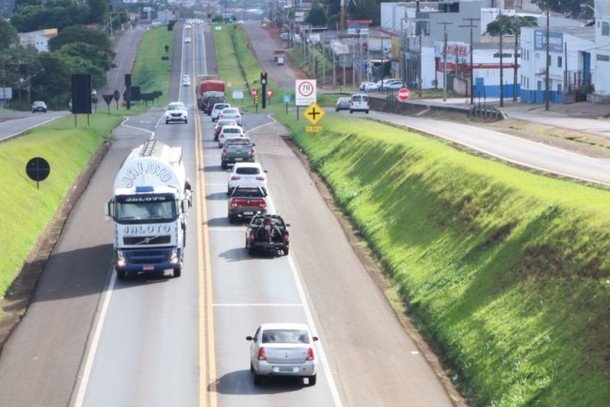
[[283, 350]]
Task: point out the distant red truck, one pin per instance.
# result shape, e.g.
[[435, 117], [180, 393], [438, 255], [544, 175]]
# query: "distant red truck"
[[209, 91]]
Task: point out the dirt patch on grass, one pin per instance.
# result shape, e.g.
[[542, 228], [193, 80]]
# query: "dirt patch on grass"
[[19, 295]]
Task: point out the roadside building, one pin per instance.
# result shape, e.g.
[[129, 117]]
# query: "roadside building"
[[571, 58], [39, 39], [601, 91]]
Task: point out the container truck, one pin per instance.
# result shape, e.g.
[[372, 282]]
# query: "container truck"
[[150, 205], [210, 90]]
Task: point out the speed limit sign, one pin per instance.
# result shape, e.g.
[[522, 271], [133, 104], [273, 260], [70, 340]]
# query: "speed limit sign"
[[305, 92]]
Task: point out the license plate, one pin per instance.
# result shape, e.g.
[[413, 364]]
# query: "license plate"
[[148, 267], [238, 159], [285, 369], [248, 213]]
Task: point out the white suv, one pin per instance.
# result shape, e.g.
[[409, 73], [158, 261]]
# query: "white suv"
[[247, 174], [176, 112], [217, 109], [359, 103]]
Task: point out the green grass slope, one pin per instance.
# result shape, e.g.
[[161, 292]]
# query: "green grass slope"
[[507, 272]]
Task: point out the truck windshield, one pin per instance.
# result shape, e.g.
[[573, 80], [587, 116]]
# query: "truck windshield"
[[145, 209]]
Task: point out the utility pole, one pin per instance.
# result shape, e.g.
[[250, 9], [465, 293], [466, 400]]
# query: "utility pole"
[[323, 61], [517, 33], [445, 24], [501, 61], [548, 55], [471, 25], [565, 67]]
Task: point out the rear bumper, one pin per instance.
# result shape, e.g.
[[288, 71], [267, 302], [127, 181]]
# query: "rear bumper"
[[265, 368], [245, 212], [233, 160]]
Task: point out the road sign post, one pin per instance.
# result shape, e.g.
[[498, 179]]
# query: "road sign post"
[[314, 113], [304, 93]]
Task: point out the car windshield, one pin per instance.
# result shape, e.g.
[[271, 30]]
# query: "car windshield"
[[176, 106], [221, 106], [230, 111], [285, 336], [247, 170], [275, 221], [222, 123]]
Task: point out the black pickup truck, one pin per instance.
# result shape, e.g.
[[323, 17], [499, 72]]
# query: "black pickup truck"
[[237, 150], [268, 233]]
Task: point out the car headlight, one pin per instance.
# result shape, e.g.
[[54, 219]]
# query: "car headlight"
[[120, 258], [175, 259]]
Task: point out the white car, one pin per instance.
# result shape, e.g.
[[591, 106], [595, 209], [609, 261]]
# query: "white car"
[[359, 103], [368, 86], [186, 80], [231, 113], [176, 112], [217, 109], [187, 39], [247, 175], [283, 350], [228, 132]]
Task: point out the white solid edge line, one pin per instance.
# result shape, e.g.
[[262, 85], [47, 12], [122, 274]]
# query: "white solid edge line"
[[31, 127], [152, 133], [306, 308], [84, 381]]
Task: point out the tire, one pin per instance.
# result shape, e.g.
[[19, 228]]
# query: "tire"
[[186, 120], [312, 380], [351, 111], [286, 251], [367, 112], [250, 250], [121, 274], [231, 218], [177, 272], [257, 379], [167, 122], [336, 110]]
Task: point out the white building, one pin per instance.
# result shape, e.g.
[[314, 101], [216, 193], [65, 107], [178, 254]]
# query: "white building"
[[602, 43], [572, 54], [39, 39]]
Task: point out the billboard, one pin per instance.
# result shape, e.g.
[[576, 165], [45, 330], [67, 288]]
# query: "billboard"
[[555, 41]]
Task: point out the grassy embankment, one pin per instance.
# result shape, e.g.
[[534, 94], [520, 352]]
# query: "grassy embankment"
[[507, 273], [26, 211]]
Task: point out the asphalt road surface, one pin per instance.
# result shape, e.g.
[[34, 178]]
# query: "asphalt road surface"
[[89, 339]]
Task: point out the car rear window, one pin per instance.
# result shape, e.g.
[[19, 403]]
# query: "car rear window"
[[221, 106], [248, 170], [248, 192], [285, 336], [227, 130], [238, 142]]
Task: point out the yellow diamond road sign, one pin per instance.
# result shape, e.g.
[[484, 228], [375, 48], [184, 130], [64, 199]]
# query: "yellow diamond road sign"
[[314, 113]]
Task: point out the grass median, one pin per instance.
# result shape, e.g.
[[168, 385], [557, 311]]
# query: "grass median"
[[507, 272]]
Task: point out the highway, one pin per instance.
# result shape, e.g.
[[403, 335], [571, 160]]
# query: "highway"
[[91, 340]]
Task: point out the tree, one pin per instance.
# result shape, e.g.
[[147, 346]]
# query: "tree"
[[33, 18], [366, 10], [96, 55], [99, 11], [316, 16], [510, 24], [8, 34], [53, 84], [80, 34]]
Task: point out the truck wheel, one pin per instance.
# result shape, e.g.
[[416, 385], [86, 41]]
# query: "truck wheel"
[[121, 274], [351, 111], [177, 272]]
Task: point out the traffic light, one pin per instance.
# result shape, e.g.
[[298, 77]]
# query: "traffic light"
[[263, 78]]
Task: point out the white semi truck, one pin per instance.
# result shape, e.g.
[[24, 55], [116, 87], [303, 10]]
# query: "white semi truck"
[[149, 207]]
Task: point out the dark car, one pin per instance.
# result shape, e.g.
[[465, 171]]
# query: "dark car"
[[39, 106], [342, 104], [267, 233], [220, 124], [237, 150], [245, 202]]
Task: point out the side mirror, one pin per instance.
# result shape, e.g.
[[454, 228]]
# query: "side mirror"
[[315, 338], [265, 171], [249, 338], [288, 225], [253, 144], [108, 210]]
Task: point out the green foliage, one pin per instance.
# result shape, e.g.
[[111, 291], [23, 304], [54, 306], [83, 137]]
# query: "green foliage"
[[26, 211], [8, 34], [99, 10], [33, 18], [149, 72], [78, 33], [316, 16], [510, 25], [53, 84], [96, 56], [507, 272]]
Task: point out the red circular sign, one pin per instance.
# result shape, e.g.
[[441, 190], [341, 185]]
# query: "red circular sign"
[[306, 89], [269, 92], [253, 92], [403, 94]]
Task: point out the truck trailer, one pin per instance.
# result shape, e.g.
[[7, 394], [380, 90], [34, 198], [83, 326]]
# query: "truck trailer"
[[210, 90], [150, 205]]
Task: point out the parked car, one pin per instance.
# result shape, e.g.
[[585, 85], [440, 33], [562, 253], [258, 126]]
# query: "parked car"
[[387, 84], [267, 233], [228, 132], [231, 113], [283, 349], [394, 85], [39, 106], [247, 174], [176, 112], [342, 104], [368, 86], [220, 124], [359, 103], [245, 202], [217, 109], [237, 150]]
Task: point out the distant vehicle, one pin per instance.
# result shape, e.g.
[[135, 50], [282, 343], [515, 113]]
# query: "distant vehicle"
[[210, 90], [245, 202], [39, 106], [342, 104], [237, 150], [359, 103], [217, 109], [267, 233], [280, 61], [368, 86], [285, 36], [186, 80], [176, 112], [283, 349], [187, 39], [279, 55], [151, 199], [247, 174], [220, 124], [231, 113], [228, 132], [187, 26], [394, 85]]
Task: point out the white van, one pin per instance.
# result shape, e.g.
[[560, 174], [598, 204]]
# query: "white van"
[[359, 103]]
